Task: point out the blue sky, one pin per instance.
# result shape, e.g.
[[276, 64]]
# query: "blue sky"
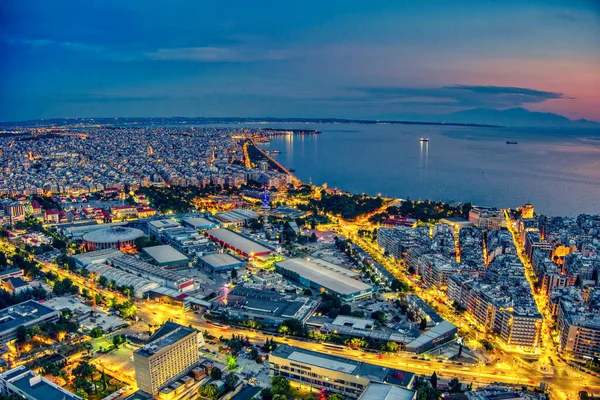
[[354, 59]]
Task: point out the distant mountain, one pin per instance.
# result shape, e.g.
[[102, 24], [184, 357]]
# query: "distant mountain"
[[517, 117]]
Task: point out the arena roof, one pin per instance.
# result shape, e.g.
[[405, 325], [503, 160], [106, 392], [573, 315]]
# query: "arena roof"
[[165, 254], [113, 234], [238, 242], [325, 277]]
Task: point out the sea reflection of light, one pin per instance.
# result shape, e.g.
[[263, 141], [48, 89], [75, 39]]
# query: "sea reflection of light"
[[424, 154]]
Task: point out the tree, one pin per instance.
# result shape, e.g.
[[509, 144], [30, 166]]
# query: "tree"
[[21, 334], [3, 260], [380, 317], [81, 393], [231, 380], [118, 340], [81, 383], [216, 373], [280, 385], [293, 327], [391, 347], [231, 361], [335, 396], [84, 370], [455, 385], [96, 332], [346, 309], [426, 392], [209, 391], [308, 292], [433, 380], [423, 324]]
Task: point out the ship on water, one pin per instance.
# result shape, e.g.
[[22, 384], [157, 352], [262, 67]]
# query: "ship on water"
[[511, 142], [424, 140]]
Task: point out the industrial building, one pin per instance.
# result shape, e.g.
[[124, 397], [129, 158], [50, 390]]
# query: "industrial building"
[[158, 226], [237, 217], [199, 223], [336, 374], [140, 285], [166, 256], [168, 355], [84, 260], [238, 243], [318, 274], [163, 277], [116, 237], [268, 307], [218, 262], [22, 382], [27, 314]]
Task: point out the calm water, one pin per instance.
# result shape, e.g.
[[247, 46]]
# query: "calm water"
[[556, 170]]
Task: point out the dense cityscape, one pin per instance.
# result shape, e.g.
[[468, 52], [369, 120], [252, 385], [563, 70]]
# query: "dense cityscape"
[[143, 261]]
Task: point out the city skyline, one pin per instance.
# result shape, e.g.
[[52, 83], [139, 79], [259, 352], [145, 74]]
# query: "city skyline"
[[351, 60]]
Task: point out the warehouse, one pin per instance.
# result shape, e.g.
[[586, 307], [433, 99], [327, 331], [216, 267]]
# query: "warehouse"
[[84, 260], [220, 262], [122, 278], [199, 223], [238, 243], [166, 256], [163, 277], [318, 274]]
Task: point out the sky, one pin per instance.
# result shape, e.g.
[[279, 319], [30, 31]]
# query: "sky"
[[328, 58]]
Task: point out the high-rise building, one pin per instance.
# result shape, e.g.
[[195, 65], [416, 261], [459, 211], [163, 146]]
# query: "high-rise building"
[[170, 353]]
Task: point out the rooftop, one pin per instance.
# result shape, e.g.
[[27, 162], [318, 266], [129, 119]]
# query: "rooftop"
[[330, 279], [239, 242], [198, 222], [113, 235], [344, 365], [163, 254], [22, 314], [169, 334], [380, 391], [36, 386], [217, 260]]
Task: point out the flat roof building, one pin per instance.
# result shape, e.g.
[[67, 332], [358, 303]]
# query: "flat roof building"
[[268, 307], [381, 391], [336, 374], [167, 355], [159, 225], [24, 383], [217, 262], [166, 256], [199, 223], [27, 314], [84, 260], [441, 333], [318, 274], [238, 243]]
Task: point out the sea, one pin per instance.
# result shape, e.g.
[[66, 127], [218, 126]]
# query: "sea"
[[556, 170]]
